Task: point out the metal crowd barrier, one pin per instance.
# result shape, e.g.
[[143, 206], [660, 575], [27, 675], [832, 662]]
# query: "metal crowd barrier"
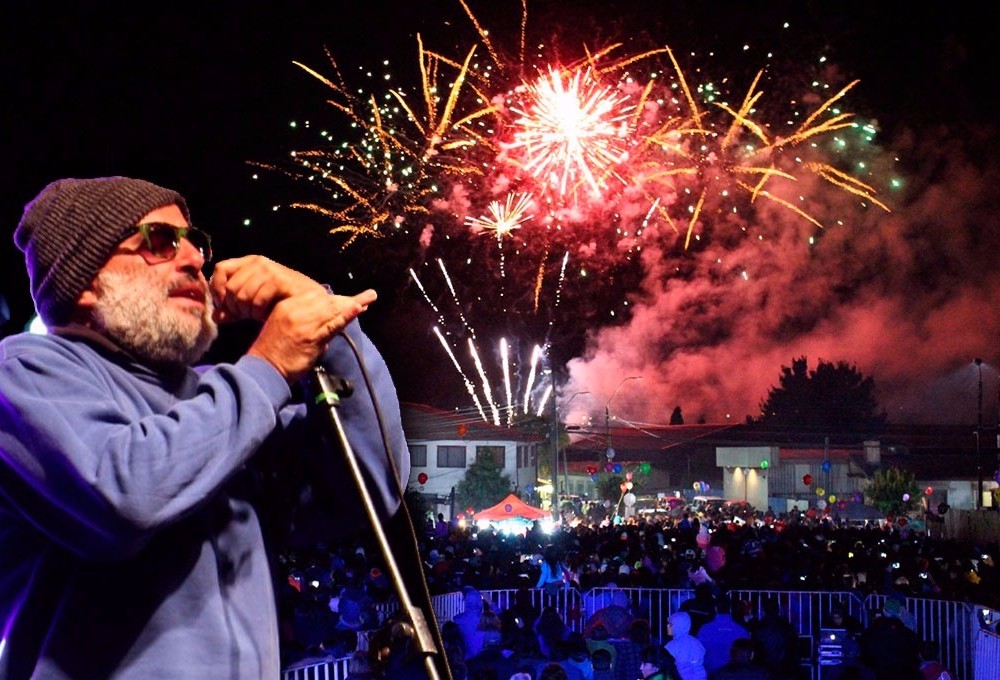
[[987, 656], [968, 649]]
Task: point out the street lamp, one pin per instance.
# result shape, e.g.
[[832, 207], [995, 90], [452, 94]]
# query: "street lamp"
[[610, 453], [979, 434]]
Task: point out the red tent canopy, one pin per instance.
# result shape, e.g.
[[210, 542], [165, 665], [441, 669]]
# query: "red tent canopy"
[[509, 508]]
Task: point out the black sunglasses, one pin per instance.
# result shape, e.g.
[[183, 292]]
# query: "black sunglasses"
[[161, 241]]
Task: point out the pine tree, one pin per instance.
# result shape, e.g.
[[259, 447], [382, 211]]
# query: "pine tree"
[[834, 398], [483, 485]]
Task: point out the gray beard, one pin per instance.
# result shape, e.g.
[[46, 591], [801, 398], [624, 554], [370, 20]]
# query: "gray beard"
[[131, 309]]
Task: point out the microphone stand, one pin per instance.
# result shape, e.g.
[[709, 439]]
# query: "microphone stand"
[[328, 390]]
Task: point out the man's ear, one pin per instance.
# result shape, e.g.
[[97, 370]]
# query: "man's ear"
[[85, 304]]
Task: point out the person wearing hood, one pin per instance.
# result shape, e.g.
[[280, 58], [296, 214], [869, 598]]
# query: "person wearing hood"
[[687, 651], [468, 622]]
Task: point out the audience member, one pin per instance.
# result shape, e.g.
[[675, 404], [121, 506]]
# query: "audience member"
[[600, 660], [360, 667], [629, 650], [614, 618], [552, 633], [701, 607], [931, 667], [688, 653], [740, 665], [655, 664], [889, 648], [453, 641], [552, 671], [552, 578], [775, 641], [717, 636], [468, 621], [598, 639]]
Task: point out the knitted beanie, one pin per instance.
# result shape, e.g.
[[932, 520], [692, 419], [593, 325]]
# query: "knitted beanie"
[[68, 232]]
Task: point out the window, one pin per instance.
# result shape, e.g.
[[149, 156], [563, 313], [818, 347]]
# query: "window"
[[494, 452], [451, 456], [418, 455]]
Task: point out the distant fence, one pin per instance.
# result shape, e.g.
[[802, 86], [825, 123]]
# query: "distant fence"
[[967, 649], [968, 526]]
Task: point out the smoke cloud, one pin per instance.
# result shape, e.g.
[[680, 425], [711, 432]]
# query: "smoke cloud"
[[908, 297]]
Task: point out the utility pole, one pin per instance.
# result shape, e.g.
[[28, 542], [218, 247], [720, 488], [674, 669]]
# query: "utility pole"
[[979, 434]]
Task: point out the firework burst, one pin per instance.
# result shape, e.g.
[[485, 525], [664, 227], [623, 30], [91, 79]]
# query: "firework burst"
[[575, 170]]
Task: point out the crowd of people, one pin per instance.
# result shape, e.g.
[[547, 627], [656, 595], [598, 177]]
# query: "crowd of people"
[[707, 554]]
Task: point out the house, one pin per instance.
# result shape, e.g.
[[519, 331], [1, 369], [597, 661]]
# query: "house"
[[443, 444]]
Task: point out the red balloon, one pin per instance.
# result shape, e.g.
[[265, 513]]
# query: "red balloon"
[[807, 479], [422, 478]]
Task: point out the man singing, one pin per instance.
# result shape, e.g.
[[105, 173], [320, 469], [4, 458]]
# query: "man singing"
[[141, 498]]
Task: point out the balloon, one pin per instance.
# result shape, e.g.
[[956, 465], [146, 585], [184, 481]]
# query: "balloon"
[[622, 487], [696, 486], [608, 467], [764, 465], [928, 491], [826, 466], [591, 470], [629, 499], [628, 476], [820, 491], [628, 485], [422, 478], [832, 499], [906, 498], [807, 480], [842, 504], [617, 468], [705, 486], [646, 467], [902, 521], [821, 504]]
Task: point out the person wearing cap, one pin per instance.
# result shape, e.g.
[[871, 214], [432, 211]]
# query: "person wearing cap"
[[135, 490]]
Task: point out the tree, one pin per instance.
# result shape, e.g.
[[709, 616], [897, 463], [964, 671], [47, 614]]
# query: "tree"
[[893, 490], [483, 485], [417, 506], [677, 418], [834, 398]]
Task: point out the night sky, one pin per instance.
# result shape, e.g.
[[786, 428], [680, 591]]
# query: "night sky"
[[188, 94]]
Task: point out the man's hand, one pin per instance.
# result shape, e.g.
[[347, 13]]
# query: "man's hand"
[[300, 316], [248, 287]]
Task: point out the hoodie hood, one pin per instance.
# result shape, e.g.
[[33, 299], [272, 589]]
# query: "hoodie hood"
[[473, 600], [681, 622]]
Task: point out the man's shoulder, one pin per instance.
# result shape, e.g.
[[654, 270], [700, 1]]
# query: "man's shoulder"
[[41, 347]]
